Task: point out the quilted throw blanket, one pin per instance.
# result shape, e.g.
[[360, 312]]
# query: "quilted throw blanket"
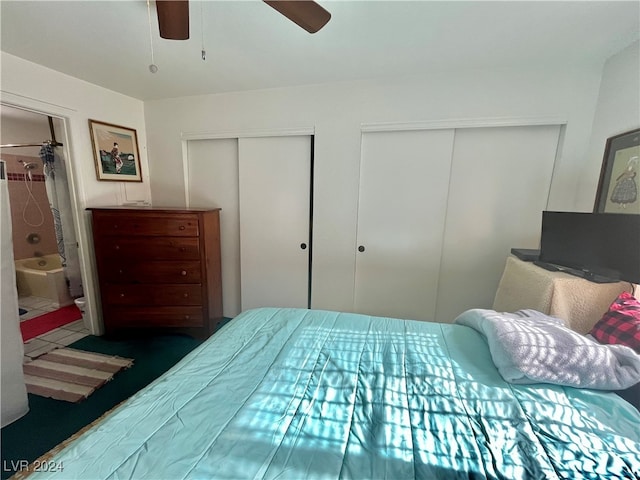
[[301, 394], [530, 347]]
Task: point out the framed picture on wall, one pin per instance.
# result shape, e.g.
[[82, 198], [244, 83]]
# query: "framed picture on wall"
[[115, 151], [618, 188]]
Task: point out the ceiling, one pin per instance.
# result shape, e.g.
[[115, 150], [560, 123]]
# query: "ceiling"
[[250, 46]]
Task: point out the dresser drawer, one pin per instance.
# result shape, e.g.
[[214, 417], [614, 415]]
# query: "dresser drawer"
[[170, 248], [151, 272], [155, 317], [112, 223], [127, 294]]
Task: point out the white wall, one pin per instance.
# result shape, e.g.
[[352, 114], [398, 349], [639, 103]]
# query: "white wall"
[[26, 84], [337, 112], [617, 111]]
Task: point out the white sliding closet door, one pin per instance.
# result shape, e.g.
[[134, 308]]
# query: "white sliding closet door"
[[404, 180], [500, 182], [275, 182], [213, 183]]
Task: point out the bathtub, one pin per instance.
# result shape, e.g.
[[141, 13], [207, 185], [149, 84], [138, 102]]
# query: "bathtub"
[[43, 277]]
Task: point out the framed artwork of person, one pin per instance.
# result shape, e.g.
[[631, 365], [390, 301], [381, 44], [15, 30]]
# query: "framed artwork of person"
[[115, 151]]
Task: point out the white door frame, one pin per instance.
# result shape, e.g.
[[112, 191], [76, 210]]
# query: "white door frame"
[[78, 201], [469, 123], [186, 137], [458, 123]]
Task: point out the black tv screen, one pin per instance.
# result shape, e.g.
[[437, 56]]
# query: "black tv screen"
[[606, 244]]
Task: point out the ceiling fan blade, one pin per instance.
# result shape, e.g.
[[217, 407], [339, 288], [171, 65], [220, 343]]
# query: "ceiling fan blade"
[[173, 19], [306, 13]]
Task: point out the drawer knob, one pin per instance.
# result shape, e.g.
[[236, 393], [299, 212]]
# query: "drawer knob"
[[117, 247], [183, 273], [187, 317], [182, 249], [185, 295], [181, 227], [120, 272], [122, 295]]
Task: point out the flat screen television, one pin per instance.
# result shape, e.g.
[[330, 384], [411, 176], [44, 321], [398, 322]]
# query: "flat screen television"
[[596, 246]]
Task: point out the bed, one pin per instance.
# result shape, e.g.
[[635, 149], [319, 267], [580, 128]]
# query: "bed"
[[290, 393]]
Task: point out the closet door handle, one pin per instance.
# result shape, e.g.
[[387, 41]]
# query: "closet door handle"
[[361, 248], [303, 246]]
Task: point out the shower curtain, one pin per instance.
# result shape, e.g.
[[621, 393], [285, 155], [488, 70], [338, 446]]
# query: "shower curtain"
[[14, 400], [57, 186]]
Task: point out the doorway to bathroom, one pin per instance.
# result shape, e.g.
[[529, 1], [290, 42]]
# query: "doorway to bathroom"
[[44, 239]]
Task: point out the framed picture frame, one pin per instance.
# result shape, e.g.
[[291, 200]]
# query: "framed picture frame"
[[618, 187], [115, 151]]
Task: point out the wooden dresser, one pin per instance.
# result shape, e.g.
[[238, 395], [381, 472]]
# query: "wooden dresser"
[[158, 268]]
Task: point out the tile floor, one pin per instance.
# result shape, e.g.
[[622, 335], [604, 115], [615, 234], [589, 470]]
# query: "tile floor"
[[59, 337], [35, 307]]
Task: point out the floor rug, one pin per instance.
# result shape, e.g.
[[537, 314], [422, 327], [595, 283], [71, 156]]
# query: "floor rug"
[[44, 323], [71, 375]]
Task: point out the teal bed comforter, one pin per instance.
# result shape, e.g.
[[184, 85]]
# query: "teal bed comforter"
[[288, 393]]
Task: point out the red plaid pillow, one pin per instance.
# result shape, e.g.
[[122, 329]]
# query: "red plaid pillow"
[[621, 323]]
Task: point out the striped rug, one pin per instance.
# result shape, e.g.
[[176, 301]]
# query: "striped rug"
[[71, 375]]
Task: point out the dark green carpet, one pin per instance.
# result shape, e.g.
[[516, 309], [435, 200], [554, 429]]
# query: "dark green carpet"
[[49, 421]]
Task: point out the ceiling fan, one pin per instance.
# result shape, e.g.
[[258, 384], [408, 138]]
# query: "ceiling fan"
[[173, 16]]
